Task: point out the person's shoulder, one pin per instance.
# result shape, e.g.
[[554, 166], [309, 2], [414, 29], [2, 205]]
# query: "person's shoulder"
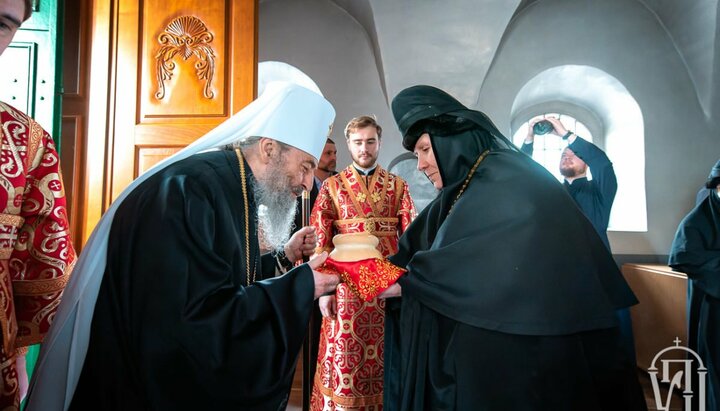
[[336, 178], [199, 166], [8, 112], [393, 177], [510, 166]]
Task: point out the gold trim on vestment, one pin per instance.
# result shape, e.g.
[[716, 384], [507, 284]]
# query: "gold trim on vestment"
[[35, 136], [400, 190], [333, 189], [351, 193], [353, 402], [11, 219], [246, 204], [39, 287], [371, 225]]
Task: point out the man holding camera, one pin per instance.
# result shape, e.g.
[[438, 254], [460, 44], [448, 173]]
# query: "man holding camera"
[[594, 197]]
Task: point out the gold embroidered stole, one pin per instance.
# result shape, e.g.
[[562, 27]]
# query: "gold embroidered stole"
[[368, 195]]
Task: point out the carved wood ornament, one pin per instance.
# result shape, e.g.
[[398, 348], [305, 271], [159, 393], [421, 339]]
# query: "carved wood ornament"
[[185, 36]]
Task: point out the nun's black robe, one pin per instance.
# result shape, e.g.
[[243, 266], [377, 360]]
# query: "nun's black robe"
[[510, 297]]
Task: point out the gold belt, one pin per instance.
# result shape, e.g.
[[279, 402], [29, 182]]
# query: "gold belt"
[[377, 226]]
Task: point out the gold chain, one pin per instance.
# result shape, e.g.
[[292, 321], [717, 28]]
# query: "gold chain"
[[469, 176], [247, 213]]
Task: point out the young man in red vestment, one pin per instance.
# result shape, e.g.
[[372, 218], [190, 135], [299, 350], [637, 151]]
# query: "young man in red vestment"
[[36, 255], [362, 197]]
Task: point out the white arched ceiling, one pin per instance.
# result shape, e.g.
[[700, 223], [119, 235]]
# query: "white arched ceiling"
[[692, 25], [622, 120], [447, 45], [452, 46]]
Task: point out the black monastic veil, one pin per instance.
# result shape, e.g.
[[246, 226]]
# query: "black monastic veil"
[[510, 298]]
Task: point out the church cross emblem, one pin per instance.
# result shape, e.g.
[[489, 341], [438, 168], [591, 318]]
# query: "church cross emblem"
[[681, 379]]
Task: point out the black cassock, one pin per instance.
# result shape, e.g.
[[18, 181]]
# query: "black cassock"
[[175, 326], [508, 305], [696, 252], [510, 297]]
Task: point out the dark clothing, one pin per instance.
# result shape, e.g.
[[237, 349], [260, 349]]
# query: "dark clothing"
[[176, 327], [510, 297], [696, 252], [702, 194], [594, 197], [312, 341]]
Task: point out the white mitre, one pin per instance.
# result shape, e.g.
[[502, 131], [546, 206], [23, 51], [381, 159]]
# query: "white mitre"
[[304, 118], [289, 108]]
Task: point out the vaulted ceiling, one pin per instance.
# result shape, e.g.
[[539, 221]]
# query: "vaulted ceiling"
[[452, 44]]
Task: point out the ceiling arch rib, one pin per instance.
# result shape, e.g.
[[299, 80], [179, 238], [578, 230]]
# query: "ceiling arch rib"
[[415, 44]]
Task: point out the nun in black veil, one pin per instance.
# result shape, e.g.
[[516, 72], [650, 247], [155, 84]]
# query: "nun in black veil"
[[510, 297]]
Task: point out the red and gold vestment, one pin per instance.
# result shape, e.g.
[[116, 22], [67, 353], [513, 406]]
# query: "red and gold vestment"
[[350, 357], [36, 254]]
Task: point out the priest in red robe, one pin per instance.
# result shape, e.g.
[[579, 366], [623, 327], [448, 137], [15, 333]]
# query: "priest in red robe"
[[363, 197]]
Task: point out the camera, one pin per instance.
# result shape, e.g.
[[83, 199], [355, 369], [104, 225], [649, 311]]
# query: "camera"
[[542, 127]]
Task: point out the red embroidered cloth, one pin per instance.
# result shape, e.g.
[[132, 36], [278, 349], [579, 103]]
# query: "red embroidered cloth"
[[366, 278]]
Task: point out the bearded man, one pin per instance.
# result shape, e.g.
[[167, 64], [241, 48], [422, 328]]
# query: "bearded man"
[[189, 314], [594, 197]]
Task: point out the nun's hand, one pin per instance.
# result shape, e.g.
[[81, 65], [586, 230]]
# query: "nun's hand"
[[393, 291]]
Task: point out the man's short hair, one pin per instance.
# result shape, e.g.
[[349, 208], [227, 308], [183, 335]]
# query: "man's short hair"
[[329, 141], [361, 122]]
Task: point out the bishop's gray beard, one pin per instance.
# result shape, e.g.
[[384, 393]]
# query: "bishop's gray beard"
[[276, 211]]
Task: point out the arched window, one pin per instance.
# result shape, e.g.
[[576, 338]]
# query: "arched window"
[[549, 147], [611, 119]]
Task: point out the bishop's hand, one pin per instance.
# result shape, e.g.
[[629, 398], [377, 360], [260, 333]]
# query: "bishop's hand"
[[301, 244], [324, 283]]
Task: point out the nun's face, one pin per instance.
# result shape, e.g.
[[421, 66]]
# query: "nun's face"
[[426, 160]]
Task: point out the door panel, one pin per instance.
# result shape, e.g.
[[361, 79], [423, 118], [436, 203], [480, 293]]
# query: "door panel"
[[28, 69], [182, 68], [122, 125]]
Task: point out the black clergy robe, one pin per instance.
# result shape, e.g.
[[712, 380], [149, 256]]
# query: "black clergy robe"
[[176, 327], [696, 252]]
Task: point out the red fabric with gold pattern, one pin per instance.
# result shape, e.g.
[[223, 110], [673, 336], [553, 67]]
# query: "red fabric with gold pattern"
[[350, 357], [366, 278], [36, 254]]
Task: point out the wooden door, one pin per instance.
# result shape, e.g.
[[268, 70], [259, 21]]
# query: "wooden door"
[[163, 74], [28, 67]]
